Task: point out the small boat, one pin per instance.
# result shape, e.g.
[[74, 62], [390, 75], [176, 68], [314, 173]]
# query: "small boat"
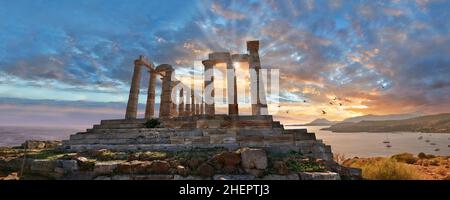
[[433, 143], [386, 142], [427, 140], [448, 145], [421, 137], [388, 146], [437, 150]]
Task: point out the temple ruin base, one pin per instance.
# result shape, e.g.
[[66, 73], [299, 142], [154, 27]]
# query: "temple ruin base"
[[186, 133]]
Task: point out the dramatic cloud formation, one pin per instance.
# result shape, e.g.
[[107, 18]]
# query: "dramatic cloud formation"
[[345, 57]]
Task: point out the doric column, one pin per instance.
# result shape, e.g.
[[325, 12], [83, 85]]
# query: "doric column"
[[259, 106], [150, 107], [181, 103], [233, 107], [193, 103], [165, 109], [202, 108], [133, 98], [209, 87]]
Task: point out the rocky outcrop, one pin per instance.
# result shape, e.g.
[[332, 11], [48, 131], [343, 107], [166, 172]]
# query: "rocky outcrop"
[[35, 144]]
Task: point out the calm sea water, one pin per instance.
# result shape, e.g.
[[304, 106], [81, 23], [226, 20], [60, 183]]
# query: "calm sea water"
[[371, 144], [350, 144], [13, 136]]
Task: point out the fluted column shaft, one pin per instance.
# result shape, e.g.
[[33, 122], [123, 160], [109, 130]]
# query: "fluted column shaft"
[[209, 87], [133, 98], [259, 106], [150, 107]]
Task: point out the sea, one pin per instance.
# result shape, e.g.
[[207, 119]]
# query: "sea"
[[347, 144]]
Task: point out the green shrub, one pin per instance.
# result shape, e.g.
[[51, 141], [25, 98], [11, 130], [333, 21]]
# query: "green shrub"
[[405, 158], [296, 166], [152, 123]]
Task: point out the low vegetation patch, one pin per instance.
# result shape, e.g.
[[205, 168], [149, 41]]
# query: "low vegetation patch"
[[385, 169], [152, 123], [45, 154], [405, 158]]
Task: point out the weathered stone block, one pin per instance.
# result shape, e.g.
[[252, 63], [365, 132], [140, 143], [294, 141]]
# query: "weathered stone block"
[[104, 168], [281, 177], [253, 158], [223, 139], [319, 176]]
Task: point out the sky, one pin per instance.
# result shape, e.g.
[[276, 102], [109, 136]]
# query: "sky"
[[70, 63]]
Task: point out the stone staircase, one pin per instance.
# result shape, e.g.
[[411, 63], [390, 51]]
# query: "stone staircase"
[[186, 133]]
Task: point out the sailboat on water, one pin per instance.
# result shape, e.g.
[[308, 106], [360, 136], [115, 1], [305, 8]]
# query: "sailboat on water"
[[387, 142]]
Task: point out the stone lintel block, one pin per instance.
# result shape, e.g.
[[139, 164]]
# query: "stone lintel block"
[[221, 57], [239, 57]]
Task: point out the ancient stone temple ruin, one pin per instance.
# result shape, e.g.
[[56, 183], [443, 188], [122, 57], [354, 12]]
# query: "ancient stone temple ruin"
[[192, 122]]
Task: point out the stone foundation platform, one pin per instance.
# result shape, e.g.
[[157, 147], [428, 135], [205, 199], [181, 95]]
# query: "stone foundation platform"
[[186, 133]]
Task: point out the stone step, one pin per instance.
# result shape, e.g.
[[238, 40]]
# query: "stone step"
[[122, 121], [119, 126]]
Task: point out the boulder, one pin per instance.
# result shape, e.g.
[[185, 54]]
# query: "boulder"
[[229, 159], [205, 170], [193, 163], [281, 168], [160, 167], [43, 166], [69, 166], [253, 159], [182, 171], [11, 177], [105, 168], [35, 144], [134, 167], [319, 176]]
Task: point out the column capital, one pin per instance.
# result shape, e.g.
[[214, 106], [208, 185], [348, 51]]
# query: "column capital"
[[208, 63]]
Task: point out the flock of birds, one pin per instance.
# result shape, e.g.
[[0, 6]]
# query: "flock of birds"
[[336, 101]]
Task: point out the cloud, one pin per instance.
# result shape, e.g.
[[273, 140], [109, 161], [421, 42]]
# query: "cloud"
[[383, 57]]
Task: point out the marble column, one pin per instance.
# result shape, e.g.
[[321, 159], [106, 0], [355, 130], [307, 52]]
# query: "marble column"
[[181, 103], [150, 107], [233, 107], [259, 105], [165, 109], [133, 98], [193, 103], [209, 87], [202, 109]]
